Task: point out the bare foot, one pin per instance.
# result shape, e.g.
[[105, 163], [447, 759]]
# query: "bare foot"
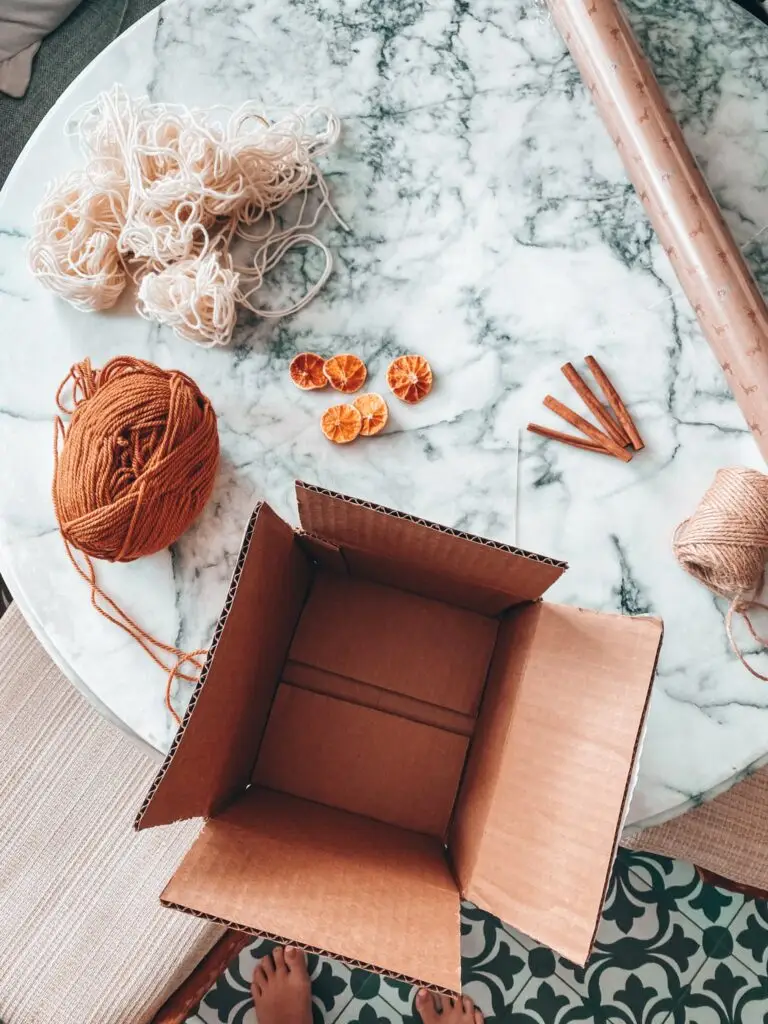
[[280, 988], [434, 1009]]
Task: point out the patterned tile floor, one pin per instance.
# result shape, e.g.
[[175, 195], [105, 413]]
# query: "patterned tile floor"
[[669, 949]]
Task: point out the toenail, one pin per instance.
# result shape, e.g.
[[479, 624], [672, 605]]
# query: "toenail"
[[422, 995]]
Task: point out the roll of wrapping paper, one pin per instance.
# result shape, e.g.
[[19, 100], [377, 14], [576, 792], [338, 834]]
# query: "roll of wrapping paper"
[[687, 219]]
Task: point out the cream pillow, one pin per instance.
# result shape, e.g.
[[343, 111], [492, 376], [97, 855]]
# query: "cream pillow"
[[23, 25]]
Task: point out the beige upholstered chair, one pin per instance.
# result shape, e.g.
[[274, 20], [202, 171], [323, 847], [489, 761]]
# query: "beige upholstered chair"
[[726, 838], [84, 939]]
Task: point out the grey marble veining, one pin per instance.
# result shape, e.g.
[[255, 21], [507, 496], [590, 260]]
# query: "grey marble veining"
[[493, 230]]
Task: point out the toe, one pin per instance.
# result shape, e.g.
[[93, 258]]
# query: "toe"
[[278, 955], [267, 965], [295, 960], [468, 1007], [426, 1006], [478, 1016], [258, 982]]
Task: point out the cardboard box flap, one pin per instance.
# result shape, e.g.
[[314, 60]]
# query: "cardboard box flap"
[[215, 748], [330, 881], [536, 826], [394, 548]]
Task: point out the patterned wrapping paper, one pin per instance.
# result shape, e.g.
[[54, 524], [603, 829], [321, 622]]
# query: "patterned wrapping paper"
[[711, 269]]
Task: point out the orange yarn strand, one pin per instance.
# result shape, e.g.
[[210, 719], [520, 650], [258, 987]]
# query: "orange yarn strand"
[[133, 468]]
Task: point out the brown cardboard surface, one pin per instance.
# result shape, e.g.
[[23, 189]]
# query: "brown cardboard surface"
[[322, 552], [213, 753], [361, 760], [398, 549], [549, 769], [488, 745], [380, 685], [395, 640], [323, 878], [307, 677], [427, 581]]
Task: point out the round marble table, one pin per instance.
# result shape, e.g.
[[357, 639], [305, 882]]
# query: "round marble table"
[[491, 229]]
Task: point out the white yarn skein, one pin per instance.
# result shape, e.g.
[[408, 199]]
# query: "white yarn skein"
[[165, 192], [194, 297], [73, 249]]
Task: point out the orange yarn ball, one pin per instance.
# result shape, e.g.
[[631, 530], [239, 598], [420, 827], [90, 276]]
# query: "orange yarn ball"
[[136, 463]]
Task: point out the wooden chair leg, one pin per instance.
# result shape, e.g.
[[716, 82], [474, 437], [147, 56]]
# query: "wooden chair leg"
[[725, 883], [178, 1007]]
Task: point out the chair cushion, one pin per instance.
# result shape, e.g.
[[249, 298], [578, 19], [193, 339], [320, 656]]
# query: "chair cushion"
[[727, 836], [23, 25], [83, 939]]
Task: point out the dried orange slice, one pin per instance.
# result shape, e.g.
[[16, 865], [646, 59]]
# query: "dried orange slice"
[[374, 411], [341, 423], [410, 378], [306, 371], [345, 373]]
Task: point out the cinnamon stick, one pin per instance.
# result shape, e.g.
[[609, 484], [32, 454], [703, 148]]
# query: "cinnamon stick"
[[595, 406], [586, 428], [570, 439], [617, 406]]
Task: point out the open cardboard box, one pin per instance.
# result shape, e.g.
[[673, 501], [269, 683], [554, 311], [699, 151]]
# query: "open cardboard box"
[[390, 720]]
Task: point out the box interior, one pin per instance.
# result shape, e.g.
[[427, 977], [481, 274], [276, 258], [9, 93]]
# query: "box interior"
[[392, 748]]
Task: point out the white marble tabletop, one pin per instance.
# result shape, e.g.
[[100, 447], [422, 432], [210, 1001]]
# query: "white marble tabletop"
[[493, 230]]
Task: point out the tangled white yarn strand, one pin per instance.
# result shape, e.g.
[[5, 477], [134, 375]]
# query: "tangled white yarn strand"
[[287, 243], [73, 249], [194, 297], [166, 191], [299, 224]]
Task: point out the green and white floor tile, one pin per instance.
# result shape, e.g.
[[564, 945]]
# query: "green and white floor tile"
[[670, 950]]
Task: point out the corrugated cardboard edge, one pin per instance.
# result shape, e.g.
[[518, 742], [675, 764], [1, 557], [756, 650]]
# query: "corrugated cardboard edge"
[[633, 774], [283, 941], [245, 544], [439, 528], [624, 829]]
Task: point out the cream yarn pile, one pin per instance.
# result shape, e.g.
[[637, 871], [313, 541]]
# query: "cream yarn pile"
[[187, 204]]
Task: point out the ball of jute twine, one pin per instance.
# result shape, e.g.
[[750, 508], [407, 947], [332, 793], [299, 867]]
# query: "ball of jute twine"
[[724, 545], [133, 468]]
